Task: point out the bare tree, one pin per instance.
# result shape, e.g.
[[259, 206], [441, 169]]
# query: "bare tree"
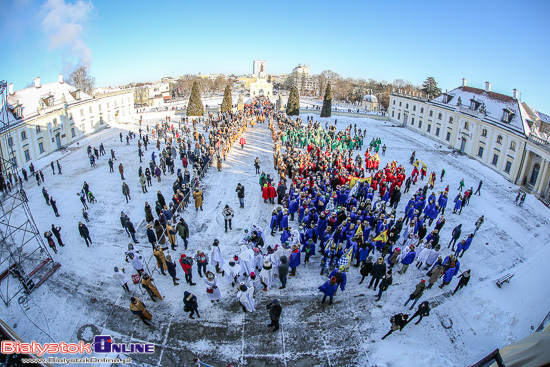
[[219, 83], [81, 80]]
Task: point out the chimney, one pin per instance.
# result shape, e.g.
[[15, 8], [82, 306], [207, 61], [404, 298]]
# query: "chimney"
[[10, 88], [487, 87], [60, 78], [37, 82], [515, 93], [463, 82]]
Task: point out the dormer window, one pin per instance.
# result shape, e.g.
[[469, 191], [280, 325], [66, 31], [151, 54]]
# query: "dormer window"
[[76, 94], [474, 105], [47, 101], [507, 115], [17, 111], [447, 98]]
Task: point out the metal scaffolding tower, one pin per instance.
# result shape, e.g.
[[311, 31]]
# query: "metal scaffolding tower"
[[25, 262]]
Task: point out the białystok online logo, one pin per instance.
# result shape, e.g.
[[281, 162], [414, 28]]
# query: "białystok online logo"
[[101, 344], [104, 344]]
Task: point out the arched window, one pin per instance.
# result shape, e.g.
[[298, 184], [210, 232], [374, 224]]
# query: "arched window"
[[499, 139], [513, 146]]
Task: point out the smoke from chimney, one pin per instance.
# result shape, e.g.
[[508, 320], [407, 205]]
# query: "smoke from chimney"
[[64, 24]]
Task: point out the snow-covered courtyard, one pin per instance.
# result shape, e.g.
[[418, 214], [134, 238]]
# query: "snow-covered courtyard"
[[82, 295]]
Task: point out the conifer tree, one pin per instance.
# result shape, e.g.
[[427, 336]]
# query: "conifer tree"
[[293, 104], [195, 107], [327, 102], [227, 103], [430, 88]]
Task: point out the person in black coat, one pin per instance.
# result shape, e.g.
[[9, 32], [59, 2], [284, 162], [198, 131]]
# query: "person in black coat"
[[366, 269], [422, 231], [46, 196], [457, 231], [398, 322], [283, 271], [256, 239], [131, 229], [275, 310], [463, 282], [84, 233], [423, 310], [281, 191], [151, 236], [190, 304], [396, 228], [387, 280], [160, 199], [240, 194], [378, 271], [57, 233], [53, 203], [172, 269], [395, 197]]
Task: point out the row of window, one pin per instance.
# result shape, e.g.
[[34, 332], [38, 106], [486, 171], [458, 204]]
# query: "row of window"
[[108, 106], [41, 146], [407, 106], [494, 162], [466, 127], [507, 167]]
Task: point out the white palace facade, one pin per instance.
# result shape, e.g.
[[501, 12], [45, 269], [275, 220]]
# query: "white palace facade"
[[45, 118], [495, 129]]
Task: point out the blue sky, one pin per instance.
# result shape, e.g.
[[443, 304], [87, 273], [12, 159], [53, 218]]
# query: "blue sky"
[[504, 42]]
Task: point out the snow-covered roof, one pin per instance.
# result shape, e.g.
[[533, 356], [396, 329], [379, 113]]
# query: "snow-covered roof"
[[370, 98], [494, 104], [544, 117], [30, 98]]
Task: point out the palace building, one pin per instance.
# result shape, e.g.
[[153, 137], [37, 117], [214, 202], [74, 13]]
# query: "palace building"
[[495, 129], [48, 117]]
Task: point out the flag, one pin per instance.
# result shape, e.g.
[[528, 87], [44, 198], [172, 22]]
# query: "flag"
[[353, 180], [353, 191], [383, 237], [345, 260], [376, 157], [329, 243], [359, 230], [424, 167]]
